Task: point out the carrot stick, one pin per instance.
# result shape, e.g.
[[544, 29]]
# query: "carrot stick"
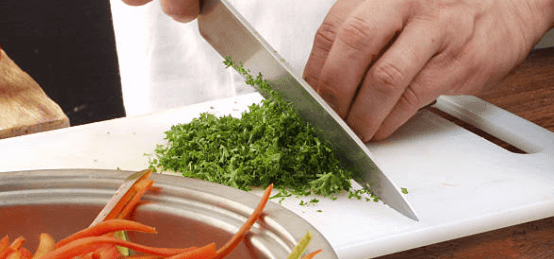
[[12, 248], [86, 245], [107, 252], [241, 234], [146, 175], [155, 189], [127, 197], [6, 252], [312, 254], [15, 255], [140, 188], [120, 205], [46, 244], [106, 227], [142, 257], [17, 243], [90, 255], [25, 253], [4, 242], [203, 252]]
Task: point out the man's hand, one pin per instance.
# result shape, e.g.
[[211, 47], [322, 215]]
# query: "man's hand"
[[179, 10], [377, 62]]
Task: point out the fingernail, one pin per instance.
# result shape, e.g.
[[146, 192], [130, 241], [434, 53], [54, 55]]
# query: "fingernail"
[[182, 19]]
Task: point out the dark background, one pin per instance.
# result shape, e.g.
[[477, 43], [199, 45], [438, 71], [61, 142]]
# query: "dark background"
[[68, 47]]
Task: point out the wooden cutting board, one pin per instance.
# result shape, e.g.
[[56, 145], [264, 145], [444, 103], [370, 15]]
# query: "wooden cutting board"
[[24, 106]]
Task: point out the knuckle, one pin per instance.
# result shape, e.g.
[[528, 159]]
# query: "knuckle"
[[325, 36], [355, 33], [446, 58], [411, 99], [387, 78]]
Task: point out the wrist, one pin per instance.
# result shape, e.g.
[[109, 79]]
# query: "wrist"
[[545, 10], [537, 18], [550, 9]]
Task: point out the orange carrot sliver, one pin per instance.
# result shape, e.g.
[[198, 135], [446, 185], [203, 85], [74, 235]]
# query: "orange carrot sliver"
[[12, 251], [85, 245], [6, 252], [18, 243], [4, 242], [127, 197], [90, 255], [142, 257], [120, 205], [312, 254], [107, 252], [45, 244], [204, 252], [25, 253], [15, 255], [241, 234], [140, 188], [106, 227]]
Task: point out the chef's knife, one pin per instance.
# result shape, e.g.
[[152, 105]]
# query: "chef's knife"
[[231, 35]]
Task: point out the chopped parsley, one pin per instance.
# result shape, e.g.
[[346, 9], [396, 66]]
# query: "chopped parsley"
[[270, 143], [308, 203]]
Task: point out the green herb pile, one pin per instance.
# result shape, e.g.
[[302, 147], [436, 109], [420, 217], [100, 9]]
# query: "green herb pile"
[[270, 143]]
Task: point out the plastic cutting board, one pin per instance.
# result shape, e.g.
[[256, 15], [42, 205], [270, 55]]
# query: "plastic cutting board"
[[459, 183]]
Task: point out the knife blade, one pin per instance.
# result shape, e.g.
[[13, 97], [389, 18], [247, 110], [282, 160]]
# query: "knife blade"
[[232, 36]]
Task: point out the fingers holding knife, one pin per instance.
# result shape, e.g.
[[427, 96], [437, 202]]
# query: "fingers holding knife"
[[368, 72], [387, 59], [377, 62], [180, 10]]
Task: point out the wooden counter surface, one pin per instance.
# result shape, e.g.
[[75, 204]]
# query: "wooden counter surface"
[[529, 93]]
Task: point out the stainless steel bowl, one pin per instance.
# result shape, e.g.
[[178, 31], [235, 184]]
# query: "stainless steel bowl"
[[185, 211]]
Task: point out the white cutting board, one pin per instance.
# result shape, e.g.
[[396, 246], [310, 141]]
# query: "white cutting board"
[[458, 183]]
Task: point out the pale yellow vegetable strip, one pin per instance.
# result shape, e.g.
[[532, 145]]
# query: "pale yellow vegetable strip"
[[301, 246]]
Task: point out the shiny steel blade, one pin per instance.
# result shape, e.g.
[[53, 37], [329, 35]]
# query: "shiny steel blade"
[[231, 35], [121, 191]]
